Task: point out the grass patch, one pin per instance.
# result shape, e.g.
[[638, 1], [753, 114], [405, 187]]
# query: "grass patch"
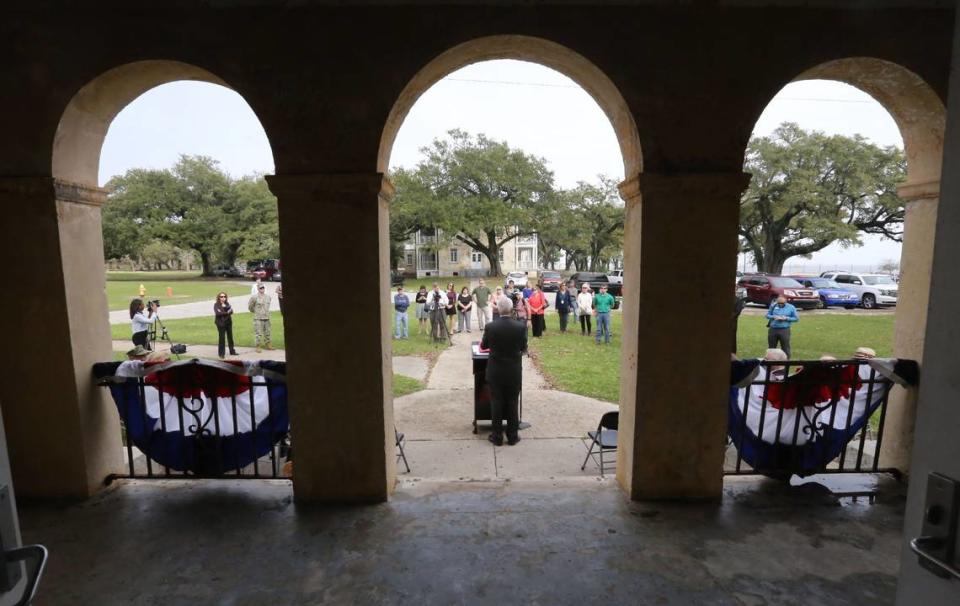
[[403, 385], [202, 331], [121, 292], [575, 364], [819, 334], [417, 344]]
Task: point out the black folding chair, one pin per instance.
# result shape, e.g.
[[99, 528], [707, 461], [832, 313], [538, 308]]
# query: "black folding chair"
[[604, 439], [401, 454]]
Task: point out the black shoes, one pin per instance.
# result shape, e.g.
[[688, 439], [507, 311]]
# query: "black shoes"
[[513, 440], [495, 439], [233, 353]]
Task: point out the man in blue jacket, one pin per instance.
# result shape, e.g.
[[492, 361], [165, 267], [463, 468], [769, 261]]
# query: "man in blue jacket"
[[779, 318]]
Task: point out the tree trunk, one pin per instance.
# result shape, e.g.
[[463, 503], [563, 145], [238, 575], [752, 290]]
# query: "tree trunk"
[[494, 259], [205, 263], [774, 264]]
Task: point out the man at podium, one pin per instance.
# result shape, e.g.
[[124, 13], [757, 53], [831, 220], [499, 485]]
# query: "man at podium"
[[506, 339]]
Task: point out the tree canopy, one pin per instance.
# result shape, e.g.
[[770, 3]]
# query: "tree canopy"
[[196, 206], [810, 190], [475, 190]]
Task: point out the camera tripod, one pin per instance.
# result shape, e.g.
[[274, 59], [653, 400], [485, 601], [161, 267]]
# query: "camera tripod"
[[438, 324], [164, 336]]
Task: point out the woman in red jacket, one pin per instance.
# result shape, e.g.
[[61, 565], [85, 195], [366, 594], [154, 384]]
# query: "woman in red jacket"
[[537, 303]]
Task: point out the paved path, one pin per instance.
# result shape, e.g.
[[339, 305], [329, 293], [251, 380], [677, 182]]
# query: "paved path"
[[198, 308], [437, 423]]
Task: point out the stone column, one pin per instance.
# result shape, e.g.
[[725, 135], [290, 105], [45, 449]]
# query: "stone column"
[[680, 256], [910, 322], [63, 431], [334, 240]]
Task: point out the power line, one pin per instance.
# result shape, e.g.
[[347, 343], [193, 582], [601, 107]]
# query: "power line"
[[823, 100], [550, 85], [510, 83]]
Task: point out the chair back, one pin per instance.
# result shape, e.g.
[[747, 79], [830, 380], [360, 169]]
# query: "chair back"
[[609, 420]]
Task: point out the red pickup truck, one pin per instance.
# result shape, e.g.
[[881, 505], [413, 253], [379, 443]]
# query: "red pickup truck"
[[764, 290]]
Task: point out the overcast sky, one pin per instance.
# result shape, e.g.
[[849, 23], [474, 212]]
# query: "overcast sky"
[[529, 106]]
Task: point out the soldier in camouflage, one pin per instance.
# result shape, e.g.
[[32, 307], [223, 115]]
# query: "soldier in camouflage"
[[259, 306]]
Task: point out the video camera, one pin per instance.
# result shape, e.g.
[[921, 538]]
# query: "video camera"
[[153, 303]]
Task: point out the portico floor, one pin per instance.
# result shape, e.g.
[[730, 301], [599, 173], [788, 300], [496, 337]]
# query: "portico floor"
[[566, 541]]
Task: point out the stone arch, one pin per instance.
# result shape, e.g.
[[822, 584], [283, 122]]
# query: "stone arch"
[[87, 447], [916, 108], [920, 115], [85, 121], [523, 48]]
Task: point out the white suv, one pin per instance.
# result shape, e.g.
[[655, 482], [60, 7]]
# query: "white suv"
[[874, 289]]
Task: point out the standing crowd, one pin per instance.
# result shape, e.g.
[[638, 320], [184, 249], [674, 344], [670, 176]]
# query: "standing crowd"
[[436, 309]]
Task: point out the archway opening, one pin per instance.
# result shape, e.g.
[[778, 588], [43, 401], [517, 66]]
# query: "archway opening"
[[158, 171], [500, 102], [846, 167]]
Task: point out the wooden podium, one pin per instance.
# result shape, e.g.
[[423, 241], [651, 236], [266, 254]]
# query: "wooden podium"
[[481, 391]]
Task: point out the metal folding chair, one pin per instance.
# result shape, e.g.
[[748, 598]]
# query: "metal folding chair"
[[604, 440], [401, 454]]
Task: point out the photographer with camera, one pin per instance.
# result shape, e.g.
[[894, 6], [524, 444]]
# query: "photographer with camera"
[[142, 321], [436, 306], [521, 307]]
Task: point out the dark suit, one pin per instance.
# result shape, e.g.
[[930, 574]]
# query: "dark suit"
[[506, 339]]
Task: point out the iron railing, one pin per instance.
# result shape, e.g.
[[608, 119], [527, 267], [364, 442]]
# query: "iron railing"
[[808, 417], [210, 430]]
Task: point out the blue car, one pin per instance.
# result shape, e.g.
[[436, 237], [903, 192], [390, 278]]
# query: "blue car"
[[830, 292]]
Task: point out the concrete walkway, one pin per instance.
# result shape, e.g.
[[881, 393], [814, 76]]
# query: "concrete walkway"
[[437, 423], [199, 309]]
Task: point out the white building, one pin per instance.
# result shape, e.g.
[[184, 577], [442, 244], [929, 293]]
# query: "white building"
[[423, 258]]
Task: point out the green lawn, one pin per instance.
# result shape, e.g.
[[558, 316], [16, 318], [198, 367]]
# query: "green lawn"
[[202, 331], [417, 345], [121, 291], [575, 364], [403, 385]]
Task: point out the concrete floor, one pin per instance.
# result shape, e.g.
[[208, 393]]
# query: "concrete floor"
[[572, 541]]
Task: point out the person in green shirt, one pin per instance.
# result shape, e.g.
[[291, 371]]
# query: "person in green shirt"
[[603, 302], [481, 298]]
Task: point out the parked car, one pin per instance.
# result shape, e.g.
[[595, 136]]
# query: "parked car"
[[830, 292], [226, 271], [549, 280], [741, 292], [263, 269], [874, 289], [595, 279], [396, 278], [519, 279], [276, 277], [616, 277], [764, 290]]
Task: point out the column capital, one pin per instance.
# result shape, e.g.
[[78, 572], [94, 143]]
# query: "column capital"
[[917, 192], [330, 187], [63, 191], [699, 184]]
